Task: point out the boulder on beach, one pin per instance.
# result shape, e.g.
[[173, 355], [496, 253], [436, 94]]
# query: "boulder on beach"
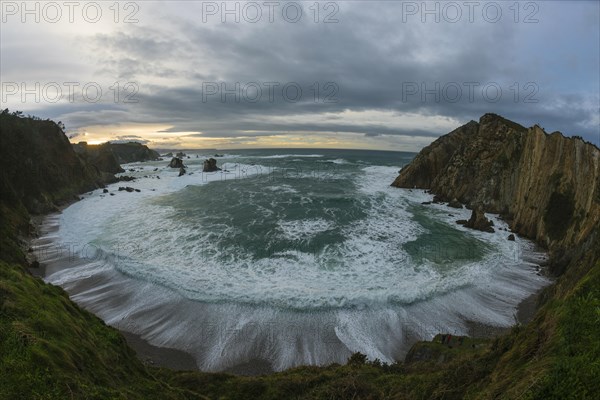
[[210, 165]]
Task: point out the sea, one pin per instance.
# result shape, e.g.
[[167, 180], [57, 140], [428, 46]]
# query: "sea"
[[286, 257]]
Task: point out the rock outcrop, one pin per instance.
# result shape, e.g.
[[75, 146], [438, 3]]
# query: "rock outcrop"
[[176, 163], [479, 222], [210, 165], [546, 185]]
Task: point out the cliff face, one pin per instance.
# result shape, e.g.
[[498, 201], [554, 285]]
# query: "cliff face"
[[548, 186]]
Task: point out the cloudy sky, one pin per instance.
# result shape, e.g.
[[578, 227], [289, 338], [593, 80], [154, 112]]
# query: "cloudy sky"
[[345, 74]]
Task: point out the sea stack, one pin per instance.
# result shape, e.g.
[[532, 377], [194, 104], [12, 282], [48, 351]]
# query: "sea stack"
[[210, 165]]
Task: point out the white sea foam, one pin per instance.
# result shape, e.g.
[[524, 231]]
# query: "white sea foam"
[[146, 271]]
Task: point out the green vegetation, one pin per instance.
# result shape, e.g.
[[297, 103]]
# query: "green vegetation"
[[51, 349]]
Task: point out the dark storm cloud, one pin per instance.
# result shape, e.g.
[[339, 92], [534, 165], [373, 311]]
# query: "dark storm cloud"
[[371, 59]]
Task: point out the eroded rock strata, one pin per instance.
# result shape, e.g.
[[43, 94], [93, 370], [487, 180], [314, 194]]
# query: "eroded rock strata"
[[546, 185]]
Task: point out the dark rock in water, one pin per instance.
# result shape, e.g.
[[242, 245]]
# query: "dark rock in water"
[[462, 222], [181, 154], [126, 188], [105, 191], [479, 222], [218, 155], [155, 169], [176, 162], [169, 154], [426, 203], [210, 165], [455, 204], [126, 178], [112, 194], [158, 177], [438, 199], [137, 190], [131, 169], [181, 171], [511, 237]]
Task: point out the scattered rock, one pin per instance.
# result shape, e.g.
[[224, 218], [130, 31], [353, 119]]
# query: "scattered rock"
[[181, 171], [426, 203], [137, 190], [155, 169], [181, 154], [126, 178], [210, 165], [105, 191], [126, 188], [462, 222], [511, 237], [112, 194]]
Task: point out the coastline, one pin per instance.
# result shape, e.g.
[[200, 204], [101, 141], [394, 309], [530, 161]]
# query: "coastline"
[[176, 359]]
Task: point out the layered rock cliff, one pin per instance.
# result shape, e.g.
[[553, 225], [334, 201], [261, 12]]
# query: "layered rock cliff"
[[546, 185]]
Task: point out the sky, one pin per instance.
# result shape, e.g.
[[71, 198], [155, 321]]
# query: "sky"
[[391, 75]]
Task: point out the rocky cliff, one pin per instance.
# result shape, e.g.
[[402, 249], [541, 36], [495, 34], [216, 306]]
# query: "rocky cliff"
[[108, 156], [38, 167], [100, 156], [133, 152], [546, 185]]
